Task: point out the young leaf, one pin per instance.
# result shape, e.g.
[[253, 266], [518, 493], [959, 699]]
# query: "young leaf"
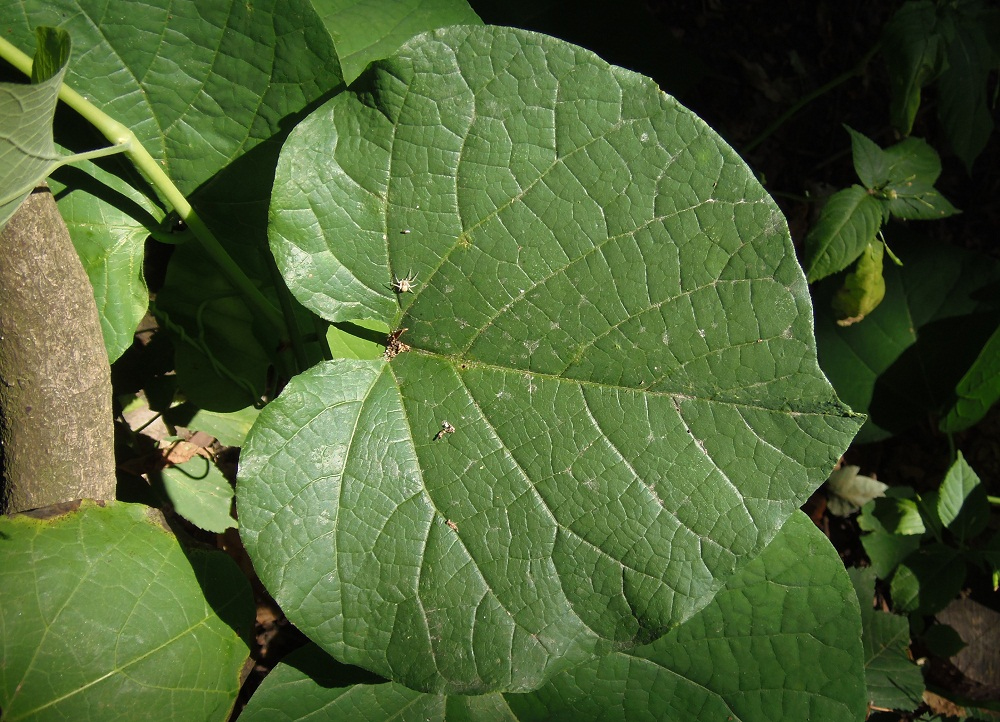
[[52, 54], [864, 287], [894, 681], [740, 657], [962, 505], [871, 163], [914, 168], [847, 225], [109, 612], [978, 390], [628, 429]]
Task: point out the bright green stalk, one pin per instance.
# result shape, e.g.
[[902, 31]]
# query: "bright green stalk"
[[122, 137]]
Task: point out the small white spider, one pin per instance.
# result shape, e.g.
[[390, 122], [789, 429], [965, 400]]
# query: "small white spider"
[[405, 284]]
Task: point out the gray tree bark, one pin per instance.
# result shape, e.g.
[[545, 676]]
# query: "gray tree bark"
[[56, 434]]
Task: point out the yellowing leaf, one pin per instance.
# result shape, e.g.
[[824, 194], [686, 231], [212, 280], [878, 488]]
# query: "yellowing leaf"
[[863, 288], [851, 491]]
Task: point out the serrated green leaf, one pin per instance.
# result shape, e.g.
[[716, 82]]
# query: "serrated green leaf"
[[27, 151], [864, 287], [977, 390], [913, 170], [928, 579], [937, 314], [902, 175], [893, 680], [588, 258], [200, 493], [847, 225], [374, 29], [913, 161], [102, 612], [962, 504], [871, 163], [740, 657], [914, 50]]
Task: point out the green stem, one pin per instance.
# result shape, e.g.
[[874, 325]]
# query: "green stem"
[[59, 162], [122, 137], [806, 99]]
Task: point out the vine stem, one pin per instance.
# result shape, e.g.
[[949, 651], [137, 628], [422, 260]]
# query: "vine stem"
[[810, 97], [122, 137]]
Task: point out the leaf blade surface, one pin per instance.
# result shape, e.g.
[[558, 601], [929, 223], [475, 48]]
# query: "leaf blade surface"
[[627, 431], [740, 657], [103, 611]]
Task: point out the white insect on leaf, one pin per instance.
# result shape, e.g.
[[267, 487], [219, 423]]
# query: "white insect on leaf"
[[406, 284]]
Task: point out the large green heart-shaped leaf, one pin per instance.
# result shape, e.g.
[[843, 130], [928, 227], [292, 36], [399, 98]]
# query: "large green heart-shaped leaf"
[[105, 616], [740, 658], [608, 313]]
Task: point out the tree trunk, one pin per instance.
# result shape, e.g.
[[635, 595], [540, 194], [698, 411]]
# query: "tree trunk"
[[56, 434]]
